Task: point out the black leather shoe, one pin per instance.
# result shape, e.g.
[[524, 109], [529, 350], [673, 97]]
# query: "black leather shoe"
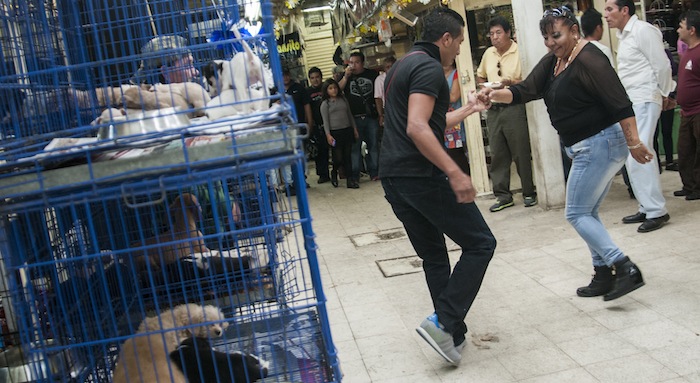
[[635, 218], [652, 224], [627, 279], [323, 180], [673, 166], [692, 196], [680, 193]]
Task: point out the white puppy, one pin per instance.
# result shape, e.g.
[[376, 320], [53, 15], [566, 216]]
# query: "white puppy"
[[185, 315]]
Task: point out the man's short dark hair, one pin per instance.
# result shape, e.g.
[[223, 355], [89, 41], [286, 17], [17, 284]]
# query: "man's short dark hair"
[[315, 70], [439, 21], [626, 3], [590, 20], [499, 21], [692, 19], [358, 54]]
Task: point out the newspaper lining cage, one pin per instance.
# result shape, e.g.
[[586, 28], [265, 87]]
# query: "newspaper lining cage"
[[144, 234]]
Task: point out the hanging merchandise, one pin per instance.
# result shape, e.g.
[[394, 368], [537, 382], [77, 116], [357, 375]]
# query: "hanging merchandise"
[[384, 31], [404, 15]]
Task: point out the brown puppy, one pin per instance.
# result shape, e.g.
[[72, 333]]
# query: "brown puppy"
[[145, 359], [182, 240]]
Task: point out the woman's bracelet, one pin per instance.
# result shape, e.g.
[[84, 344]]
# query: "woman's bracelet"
[[639, 145]]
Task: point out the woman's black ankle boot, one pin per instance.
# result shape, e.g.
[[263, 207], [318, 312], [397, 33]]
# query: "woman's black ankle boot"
[[627, 279], [601, 283]]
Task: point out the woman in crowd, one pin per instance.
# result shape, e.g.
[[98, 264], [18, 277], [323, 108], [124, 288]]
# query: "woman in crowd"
[[455, 136], [594, 118], [341, 131]]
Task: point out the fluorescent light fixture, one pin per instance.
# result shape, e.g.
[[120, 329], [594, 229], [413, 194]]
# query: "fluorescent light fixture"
[[315, 9]]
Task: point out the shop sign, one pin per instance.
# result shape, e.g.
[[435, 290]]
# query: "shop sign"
[[289, 45]]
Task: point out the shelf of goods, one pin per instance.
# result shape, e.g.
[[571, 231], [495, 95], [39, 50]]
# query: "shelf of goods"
[[131, 210]]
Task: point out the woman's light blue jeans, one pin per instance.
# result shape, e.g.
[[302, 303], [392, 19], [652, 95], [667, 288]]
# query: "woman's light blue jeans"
[[595, 161]]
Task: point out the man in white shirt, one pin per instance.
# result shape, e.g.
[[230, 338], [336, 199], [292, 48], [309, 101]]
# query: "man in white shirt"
[[379, 89], [645, 73], [592, 28]]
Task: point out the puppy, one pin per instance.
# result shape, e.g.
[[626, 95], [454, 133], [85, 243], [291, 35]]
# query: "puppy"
[[185, 315], [195, 96], [246, 75], [181, 241], [185, 96], [202, 363], [145, 359]]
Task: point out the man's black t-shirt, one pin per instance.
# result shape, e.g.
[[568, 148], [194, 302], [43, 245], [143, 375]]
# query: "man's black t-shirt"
[[300, 98], [359, 91], [316, 97], [419, 72]]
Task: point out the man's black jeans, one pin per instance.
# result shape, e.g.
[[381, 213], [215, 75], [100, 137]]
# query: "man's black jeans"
[[428, 208]]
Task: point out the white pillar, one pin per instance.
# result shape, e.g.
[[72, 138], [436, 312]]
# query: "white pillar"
[[475, 137], [546, 152]]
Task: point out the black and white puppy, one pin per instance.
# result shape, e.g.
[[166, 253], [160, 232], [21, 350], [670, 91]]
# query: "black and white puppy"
[[201, 363], [238, 86]]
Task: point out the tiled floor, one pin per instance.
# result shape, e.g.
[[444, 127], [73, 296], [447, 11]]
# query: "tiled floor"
[[527, 324]]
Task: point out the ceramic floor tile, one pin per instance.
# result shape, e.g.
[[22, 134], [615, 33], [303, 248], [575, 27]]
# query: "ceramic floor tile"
[[347, 351], [397, 355], [538, 362], [570, 328], [415, 378], [682, 358], [693, 377], [354, 371], [377, 326], [483, 371], [578, 375], [657, 334], [638, 368], [598, 348], [361, 294], [629, 314]]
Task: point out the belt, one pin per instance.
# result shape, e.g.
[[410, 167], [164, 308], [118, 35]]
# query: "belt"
[[499, 106]]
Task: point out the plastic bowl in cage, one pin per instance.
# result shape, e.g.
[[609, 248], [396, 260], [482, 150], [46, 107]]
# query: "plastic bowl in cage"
[[18, 366], [152, 121]]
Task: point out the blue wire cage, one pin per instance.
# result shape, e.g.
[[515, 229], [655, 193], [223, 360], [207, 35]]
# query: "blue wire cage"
[[182, 233]]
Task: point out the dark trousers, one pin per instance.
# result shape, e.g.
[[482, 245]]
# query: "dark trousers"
[[509, 141], [459, 156], [322, 155], [689, 152], [428, 209], [666, 126], [342, 151]]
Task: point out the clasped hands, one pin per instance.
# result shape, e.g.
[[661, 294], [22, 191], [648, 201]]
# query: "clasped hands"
[[480, 100]]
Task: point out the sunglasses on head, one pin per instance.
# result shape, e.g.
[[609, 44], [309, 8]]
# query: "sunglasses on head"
[[498, 65], [560, 12]]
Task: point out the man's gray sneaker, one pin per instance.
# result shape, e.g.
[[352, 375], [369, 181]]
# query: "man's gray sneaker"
[[500, 205], [433, 332], [530, 201]]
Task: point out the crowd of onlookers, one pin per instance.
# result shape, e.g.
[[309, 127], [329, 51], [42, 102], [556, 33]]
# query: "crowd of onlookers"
[[346, 112]]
